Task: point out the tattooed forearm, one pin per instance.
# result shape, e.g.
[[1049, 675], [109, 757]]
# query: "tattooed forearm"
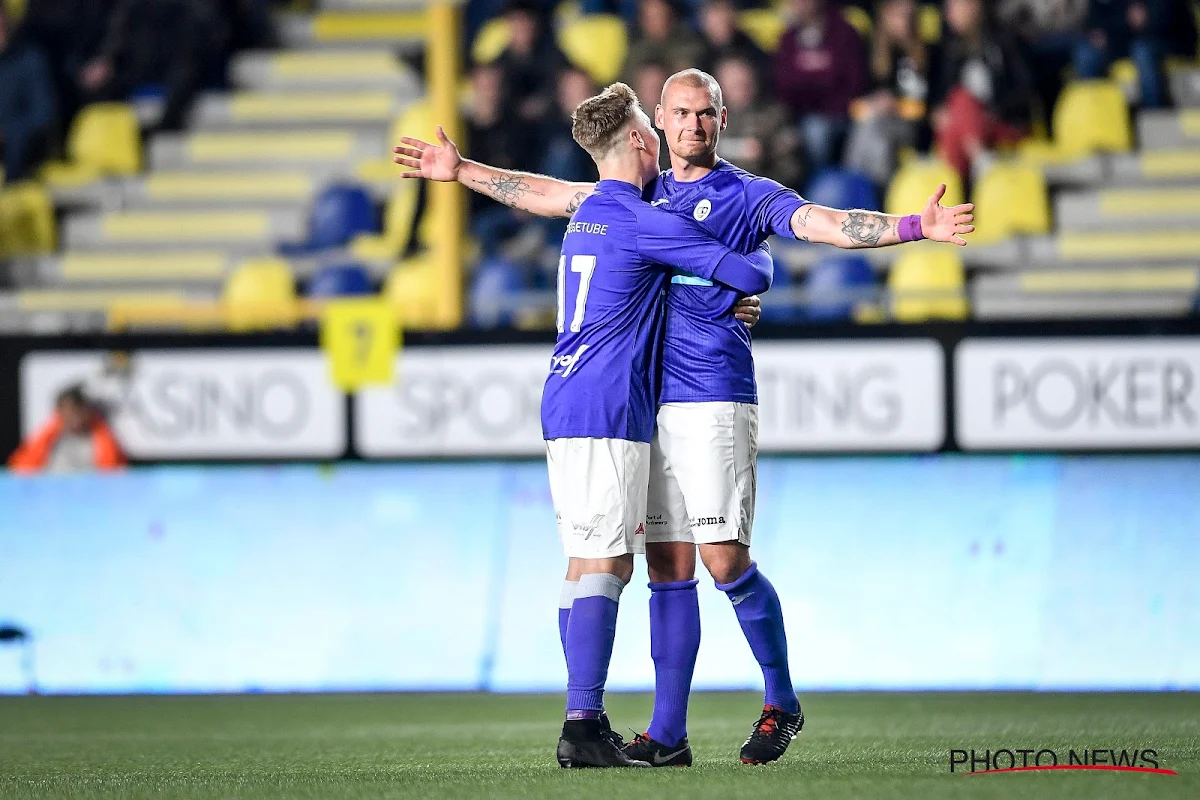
[[865, 229], [507, 189], [573, 206], [800, 220]]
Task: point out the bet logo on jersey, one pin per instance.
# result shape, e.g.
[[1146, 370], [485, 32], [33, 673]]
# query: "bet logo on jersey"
[[703, 209]]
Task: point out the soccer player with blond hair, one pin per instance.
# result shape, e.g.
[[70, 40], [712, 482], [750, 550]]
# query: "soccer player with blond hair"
[[703, 456]]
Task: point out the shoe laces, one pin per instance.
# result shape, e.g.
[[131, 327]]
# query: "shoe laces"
[[768, 723]]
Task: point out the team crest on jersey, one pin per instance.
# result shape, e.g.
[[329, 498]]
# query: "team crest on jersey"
[[703, 209]]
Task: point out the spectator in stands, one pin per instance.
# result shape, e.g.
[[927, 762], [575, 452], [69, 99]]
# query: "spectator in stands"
[[176, 44], [1145, 31], [75, 439], [495, 135], [662, 37], [563, 158], [724, 39], [26, 102], [1050, 30], [529, 64], [647, 83], [759, 137], [983, 91], [889, 118], [69, 32], [819, 68]]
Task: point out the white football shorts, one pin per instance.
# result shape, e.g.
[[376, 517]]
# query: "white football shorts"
[[599, 491], [703, 471]]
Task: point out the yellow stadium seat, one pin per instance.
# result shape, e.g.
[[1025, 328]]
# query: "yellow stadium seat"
[[412, 288], [928, 282], [357, 26], [764, 26], [398, 225], [16, 9], [260, 294], [915, 183], [597, 44], [104, 140], [1124, 73], [859, 19], [1011, 198], [1092, 116], [930, 24], [26, 220], [490, 41]]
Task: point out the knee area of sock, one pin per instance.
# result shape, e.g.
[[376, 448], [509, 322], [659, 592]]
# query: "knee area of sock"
[[737, 579], [600, 584]]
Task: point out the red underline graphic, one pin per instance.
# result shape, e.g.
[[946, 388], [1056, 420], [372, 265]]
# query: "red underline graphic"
[[1108, 767]]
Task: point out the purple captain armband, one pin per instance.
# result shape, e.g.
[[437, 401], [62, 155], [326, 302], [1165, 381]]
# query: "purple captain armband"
[[910, 228]]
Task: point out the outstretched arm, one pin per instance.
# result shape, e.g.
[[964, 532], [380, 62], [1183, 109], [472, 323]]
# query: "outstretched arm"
[[858, 229], [537, 194]]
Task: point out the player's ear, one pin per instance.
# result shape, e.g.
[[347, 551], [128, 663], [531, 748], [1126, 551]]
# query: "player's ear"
[[635, 139], [724, 117], [658, 116]]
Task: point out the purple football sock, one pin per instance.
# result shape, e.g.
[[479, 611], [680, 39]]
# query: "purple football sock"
[[674, 645], [565, 599], [761, 617], [590, 632]]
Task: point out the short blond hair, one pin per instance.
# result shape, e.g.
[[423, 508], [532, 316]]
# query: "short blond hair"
[[696, 79], [599, 121]]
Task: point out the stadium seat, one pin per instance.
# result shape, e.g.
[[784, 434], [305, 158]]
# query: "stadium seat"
[[339, 213], [398, 222], [412, 289], [495, 282], [312, 106], [765, 26], [373, 26], [340, 280], [597, 44], [1010, 198], [835, 286], [260, 294], [930, 23], [842, 188], [26, 220], [104, 141], [1090, 117], [490, 41], [915, 183], [859, 19], [928, 282]]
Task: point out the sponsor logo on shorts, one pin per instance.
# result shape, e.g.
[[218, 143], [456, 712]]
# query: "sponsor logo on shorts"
[[587, 529], [641, 530], [565, 364], [700, 522], [656, 519]]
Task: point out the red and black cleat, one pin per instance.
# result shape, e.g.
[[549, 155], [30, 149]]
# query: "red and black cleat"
[[771, 736]]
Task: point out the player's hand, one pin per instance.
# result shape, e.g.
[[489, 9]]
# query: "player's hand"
[[748, 310], [943, 224], [435, 162]]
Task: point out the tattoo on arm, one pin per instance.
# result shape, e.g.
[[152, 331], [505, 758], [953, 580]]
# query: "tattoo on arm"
[[508, 189], [865, 229], [802, 222], [573, 206]]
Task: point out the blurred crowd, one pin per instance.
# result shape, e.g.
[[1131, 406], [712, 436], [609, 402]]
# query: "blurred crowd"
[[827, 95], [64, 54]]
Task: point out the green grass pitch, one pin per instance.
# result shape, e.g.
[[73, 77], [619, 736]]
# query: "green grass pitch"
[[854, 745]]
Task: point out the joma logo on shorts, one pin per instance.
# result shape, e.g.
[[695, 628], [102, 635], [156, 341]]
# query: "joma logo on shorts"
[[699, 521]]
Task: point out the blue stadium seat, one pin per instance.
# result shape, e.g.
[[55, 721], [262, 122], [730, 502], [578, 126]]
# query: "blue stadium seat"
[[340, 280], [495, 281], [834, 286], [842, 188], [780, 313], [339, 213]]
